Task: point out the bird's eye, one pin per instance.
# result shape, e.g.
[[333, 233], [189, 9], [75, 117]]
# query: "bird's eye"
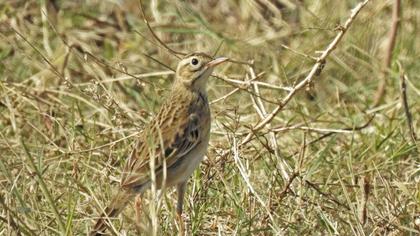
[[194, 61]]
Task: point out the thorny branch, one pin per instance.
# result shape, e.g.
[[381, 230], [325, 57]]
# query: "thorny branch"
[[316, 69]]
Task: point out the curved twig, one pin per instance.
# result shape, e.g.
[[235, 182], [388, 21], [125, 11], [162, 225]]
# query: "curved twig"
[[175, 53]]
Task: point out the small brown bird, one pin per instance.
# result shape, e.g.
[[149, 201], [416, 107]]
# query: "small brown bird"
[[177, 137]]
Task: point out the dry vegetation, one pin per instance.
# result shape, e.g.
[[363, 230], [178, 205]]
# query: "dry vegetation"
[[79, 80]]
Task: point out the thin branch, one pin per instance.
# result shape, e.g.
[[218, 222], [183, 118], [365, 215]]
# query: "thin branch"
[[78, 48], [151, 41], [327, 195], [175, 53], [102, 62], [314, 129], [245, 87], [218, 48], [357, 128], [396, 18], [396, 11], [316, 70], [286, 187], [403, 89], [158, 62], [252, 82], [298, 53], [262, 112], [245, 177], [225, 96], [126, 77]]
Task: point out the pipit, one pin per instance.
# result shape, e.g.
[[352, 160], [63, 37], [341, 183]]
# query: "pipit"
[[173, 144]]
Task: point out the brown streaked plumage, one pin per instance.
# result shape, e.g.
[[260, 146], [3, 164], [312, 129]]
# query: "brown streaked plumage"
[[177, 137]]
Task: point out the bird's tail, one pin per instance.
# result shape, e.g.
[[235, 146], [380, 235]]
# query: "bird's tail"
[[116, 206]]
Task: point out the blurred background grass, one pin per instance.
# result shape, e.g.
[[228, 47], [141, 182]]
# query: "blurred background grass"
[[79, 83]]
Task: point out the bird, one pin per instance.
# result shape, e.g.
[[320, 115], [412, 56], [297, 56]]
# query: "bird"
[[173, 143]]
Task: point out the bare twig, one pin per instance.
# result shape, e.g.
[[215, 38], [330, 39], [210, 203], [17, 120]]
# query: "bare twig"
[[252, 82], [314, 129], [175, 53], [218, 48], [286, 187], [316, 69], [245, 86], [158, 62], [97, 60], [225, 96], [298, 53], [332, 132], [245, 177], [239, 84], [403, 88], [262, 112], [296, 172], [396, 12], [378, 186], [327, 195], [152, 42], [102, 62], [129, 77]]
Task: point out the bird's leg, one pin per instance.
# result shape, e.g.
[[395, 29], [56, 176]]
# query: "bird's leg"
[[137, 207], [180, 188]]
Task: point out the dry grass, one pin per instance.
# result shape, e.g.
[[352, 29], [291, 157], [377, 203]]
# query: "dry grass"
[[77, 83]]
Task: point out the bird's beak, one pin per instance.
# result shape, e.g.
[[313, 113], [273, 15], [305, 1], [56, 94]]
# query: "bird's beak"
[[216, 62]]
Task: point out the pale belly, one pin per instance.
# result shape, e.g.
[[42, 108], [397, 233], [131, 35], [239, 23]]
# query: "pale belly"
[[180, 171]]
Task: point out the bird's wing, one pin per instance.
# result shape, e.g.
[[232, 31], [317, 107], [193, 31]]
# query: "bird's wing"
[[177, 136]]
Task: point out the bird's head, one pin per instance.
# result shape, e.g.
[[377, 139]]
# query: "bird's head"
[[194, 69]]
